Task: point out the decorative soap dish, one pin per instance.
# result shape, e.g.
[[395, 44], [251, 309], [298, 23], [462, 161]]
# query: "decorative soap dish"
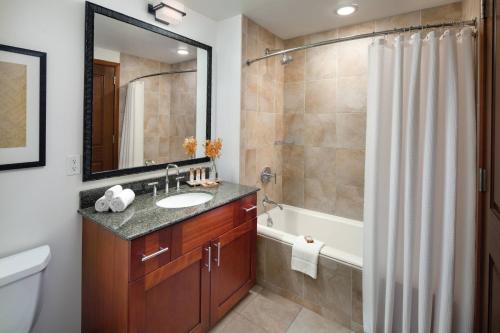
[[204, 183], [211, 183]]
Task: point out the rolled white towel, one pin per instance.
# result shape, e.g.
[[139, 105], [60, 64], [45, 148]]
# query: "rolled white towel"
[[122, 200], [113, 192], [102, 204]]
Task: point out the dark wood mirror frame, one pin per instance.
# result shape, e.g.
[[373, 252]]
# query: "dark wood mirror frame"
[[90, 10]]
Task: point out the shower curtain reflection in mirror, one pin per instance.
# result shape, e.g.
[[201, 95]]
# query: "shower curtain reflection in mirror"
[[132, 133]]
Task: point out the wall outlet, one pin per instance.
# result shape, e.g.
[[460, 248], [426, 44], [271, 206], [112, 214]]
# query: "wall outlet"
[[72, 165]]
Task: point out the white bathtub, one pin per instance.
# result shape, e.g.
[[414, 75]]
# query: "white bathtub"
[[343, 237]]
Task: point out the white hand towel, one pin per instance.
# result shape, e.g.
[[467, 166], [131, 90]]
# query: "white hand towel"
[[113, 192], [305, 256], [102, 204], [122, 200]]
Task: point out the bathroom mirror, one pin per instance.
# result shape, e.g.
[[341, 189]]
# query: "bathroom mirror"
[[146, 90]]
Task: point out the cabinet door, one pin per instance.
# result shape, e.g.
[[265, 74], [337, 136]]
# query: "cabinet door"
[[233, 268], [174, 298]]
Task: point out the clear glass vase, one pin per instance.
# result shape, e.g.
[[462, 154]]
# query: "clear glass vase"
[[213, 169]]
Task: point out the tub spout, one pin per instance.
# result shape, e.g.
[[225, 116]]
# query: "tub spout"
[[269, 221], [266, 200]]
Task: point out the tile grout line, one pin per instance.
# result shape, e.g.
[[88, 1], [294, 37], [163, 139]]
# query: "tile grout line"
[[295, 318], [350, 312], [252, 322], [253, 296], [248, 319], [258, 324]]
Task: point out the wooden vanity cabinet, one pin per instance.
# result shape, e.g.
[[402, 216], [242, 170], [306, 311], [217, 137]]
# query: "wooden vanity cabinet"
[[173, 298], [208, 268], [233, 268]]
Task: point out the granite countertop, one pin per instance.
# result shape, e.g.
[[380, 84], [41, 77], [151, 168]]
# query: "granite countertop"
[[143, 216]]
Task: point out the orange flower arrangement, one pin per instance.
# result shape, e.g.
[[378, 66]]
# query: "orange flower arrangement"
[[190, 146], [213, 148]]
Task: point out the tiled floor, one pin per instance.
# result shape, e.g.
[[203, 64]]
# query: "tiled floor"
[[265, 312]]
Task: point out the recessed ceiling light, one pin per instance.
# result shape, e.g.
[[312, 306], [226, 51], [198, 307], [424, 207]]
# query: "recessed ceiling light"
[[182, 52], [346, 10]]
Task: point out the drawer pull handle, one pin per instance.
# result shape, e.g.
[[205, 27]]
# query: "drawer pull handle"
[[250, 209], [152, 255], [217, 260], [209, 265]]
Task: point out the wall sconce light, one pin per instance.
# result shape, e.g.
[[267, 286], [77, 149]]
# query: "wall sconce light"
[[169, 12]]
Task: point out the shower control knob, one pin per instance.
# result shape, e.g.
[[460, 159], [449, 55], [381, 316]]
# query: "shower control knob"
[[266, 175]]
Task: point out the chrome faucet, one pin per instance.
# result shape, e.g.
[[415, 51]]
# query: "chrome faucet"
[[266, 200], [166, 175]]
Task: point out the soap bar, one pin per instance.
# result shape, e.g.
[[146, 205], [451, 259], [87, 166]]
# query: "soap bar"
[[309, 239]]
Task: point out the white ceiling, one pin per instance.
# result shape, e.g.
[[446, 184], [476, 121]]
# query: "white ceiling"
[[292, 18], [122, 37]]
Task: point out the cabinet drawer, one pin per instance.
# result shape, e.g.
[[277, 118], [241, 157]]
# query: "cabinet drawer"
[[201, 229], [149, 252], [248, 208]]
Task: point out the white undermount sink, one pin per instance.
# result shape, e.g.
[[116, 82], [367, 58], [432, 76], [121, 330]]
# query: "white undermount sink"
[[183, 200]]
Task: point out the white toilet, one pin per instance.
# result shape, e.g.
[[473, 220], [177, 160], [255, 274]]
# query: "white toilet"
[[20, 288]]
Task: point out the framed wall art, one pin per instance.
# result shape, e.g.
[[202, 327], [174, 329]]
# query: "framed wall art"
[[23, 76]]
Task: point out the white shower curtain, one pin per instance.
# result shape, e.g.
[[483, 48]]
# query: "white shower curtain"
[[419, 208], [132, 136]]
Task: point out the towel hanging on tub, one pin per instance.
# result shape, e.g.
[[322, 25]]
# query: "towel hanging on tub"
[[305, 256]]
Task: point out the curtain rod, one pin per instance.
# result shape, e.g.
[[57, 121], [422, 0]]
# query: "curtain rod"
[[163, 73], [366, 35]]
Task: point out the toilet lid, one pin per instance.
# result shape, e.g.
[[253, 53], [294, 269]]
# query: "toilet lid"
[[23, 264]]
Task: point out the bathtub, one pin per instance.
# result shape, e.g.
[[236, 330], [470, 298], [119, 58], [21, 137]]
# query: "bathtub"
[[343, 237], [336, 293]]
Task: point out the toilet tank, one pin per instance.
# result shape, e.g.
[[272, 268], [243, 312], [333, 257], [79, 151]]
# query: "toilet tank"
[[20, 288]]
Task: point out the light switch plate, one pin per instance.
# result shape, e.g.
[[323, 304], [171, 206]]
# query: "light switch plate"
[[73, 165]]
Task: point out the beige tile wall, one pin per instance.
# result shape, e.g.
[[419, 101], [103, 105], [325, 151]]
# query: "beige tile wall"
[[325, 115], [336, 293], [471, 9], [317, 106], [155, 117], [183, 109], [262, 110], [169, 105]]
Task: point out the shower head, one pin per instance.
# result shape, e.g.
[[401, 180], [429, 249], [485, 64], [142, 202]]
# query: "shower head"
[[286, 59]]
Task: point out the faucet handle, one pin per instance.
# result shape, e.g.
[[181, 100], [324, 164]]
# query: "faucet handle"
[[154, 184], [178, 178]]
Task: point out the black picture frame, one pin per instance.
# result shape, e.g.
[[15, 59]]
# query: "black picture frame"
[[42, 108], [90, 10]]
